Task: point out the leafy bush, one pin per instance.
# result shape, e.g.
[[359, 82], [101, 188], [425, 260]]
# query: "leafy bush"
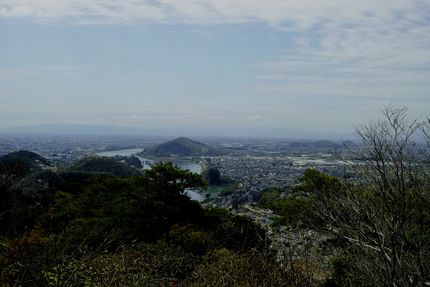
[[295, 210]]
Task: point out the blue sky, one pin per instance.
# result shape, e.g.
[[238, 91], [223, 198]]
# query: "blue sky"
[[217, 66]]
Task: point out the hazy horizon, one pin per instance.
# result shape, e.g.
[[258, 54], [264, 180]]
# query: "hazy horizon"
[[114, 130], [200, 67]]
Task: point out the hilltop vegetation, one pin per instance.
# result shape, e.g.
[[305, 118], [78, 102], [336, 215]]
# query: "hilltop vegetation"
[[379, 225], [103, 165], [22, 162], [77, 228]]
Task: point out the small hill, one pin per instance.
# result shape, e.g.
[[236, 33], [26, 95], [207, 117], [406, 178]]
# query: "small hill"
[[180, 147], [132, 160], [102, 165], [22, 162]]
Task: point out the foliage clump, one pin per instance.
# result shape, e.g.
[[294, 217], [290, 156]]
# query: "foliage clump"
[[92, 229]]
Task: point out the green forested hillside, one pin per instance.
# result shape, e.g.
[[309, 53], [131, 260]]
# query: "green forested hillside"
[[103, 165], [21, 162], [86, 229]]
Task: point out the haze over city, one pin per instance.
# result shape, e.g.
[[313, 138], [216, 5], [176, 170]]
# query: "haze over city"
[[260, 68]]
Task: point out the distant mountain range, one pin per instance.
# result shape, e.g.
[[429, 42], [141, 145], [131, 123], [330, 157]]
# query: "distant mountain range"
[[322, 144], [181, 147], [87, 129], [75, 129]]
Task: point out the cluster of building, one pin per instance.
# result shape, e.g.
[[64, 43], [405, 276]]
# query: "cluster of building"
[[256, 173], [254, 164], [64, 149]]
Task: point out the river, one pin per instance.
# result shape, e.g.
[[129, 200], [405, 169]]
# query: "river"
[[146, 163], [191, 166], [194, 194]]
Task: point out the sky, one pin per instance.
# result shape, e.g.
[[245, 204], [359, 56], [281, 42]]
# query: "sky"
[[221, 67]]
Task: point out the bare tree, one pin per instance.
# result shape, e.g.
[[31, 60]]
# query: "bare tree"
[[385, 219]]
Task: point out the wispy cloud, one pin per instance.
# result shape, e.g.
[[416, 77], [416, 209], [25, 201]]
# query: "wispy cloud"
[[187, 117], [166, 118], [342, 38], [251, 117], [41, 71], [367, 50], [301, 14], [343, 51]]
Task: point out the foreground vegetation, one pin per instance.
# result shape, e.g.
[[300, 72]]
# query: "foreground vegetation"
[[99, 223], [379, 224], [75, 228]]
